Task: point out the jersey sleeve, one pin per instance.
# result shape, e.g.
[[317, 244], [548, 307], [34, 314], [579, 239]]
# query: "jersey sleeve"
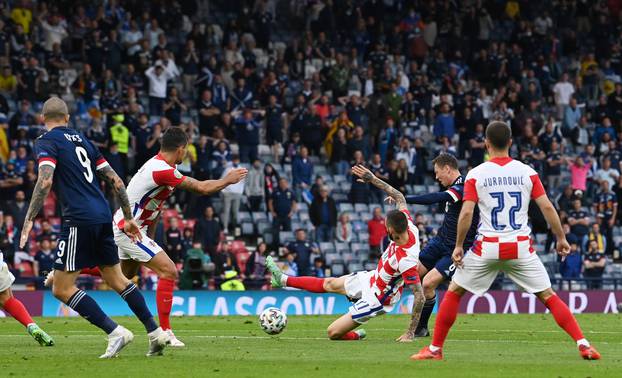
[[46, 152], [470, 190], [456, 192], [408, 268], [168, 177], [537, 189]]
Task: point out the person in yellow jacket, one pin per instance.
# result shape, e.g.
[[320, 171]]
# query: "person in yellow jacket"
[[339, 122], [232, 282], [120, 135]]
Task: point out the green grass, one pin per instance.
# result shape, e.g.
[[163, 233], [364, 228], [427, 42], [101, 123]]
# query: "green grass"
[[479, 345]]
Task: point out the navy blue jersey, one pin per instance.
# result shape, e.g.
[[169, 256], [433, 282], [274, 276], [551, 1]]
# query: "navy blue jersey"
[[448, 230], [75, 160]]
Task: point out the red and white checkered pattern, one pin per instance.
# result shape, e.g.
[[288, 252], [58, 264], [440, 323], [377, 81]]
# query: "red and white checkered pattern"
[[397, 266], [516, 183], [148, 190]]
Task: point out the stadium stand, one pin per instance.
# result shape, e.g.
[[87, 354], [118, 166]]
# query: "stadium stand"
[[386, 83]]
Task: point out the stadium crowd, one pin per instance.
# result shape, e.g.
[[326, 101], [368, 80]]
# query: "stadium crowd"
[[299, 91]]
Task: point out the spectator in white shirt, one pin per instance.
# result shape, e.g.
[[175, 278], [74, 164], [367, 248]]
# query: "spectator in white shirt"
[[158, 78], [53, 32], [131, 39], [607, 173], [563, 90], [231, 196]]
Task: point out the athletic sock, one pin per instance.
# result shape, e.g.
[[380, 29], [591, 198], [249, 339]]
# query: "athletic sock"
[[84, 305], [16, 309], [351, 336], [138, 306], [428, 306], [564, 318], [445, 318], [164, 300], [91, 271], [311, 284]]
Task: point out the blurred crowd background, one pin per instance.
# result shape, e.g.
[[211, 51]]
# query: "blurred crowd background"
[[300, 90]]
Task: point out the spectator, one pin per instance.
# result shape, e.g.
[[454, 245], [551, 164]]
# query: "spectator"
[[477, 146], [596, 235], [225, 261], [231, 196], [444, 125], [323, 214], [562, 90], [271, 182], [232, 282], [339, 155], [579, 170], [359, 143], [173, 107], [282, 206], [343, 231], [319, 268], [606, 209], [565, 199], [256, 267], [377, 232], [158, 79], [254, 188], [290, 267], [120, 135], [302, 249], [207, 231], [9, 237], [572, 117], [607, 173], [377, 168], [274, 125], [578, 219], [209, 114], [197, 267], [553, 168], [174, 241], [18, 207], [247, 131], [359, 191], [594, 262], [570, 267], [43, 262], [302, 172]]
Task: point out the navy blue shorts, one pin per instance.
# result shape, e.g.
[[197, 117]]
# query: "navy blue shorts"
[[437, 255], [85, 246]]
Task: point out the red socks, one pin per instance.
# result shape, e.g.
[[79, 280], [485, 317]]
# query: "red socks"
[[91, 272], [16, 309], [564, 317], [351, 336], [447, 313], [164, 300], [312, 284]]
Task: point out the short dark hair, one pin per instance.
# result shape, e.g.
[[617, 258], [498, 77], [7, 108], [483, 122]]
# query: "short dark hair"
[[444, 160], [173, 138], [499, 134], [397, 221]]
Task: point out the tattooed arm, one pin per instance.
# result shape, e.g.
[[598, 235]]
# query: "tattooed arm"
[[40, 192], [365, 175], [418, 303], [207, 187], [110, 177]]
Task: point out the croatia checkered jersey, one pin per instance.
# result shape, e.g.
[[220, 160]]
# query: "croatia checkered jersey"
[[397, 267], [150, 187], [502, 189], [75, 161]]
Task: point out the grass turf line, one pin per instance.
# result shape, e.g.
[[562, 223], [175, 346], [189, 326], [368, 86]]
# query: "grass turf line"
[[478, 345]]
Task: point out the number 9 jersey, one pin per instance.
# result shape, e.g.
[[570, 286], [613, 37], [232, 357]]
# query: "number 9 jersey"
[[502, 189], [75, 160]]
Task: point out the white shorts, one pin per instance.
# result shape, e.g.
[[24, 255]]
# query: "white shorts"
[[367, 305], [6, 277], [142, 251], [479, 273]]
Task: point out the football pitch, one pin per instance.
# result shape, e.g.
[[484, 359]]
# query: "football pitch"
[[478, 346]]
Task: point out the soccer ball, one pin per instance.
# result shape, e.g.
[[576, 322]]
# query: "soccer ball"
[[273, 321]]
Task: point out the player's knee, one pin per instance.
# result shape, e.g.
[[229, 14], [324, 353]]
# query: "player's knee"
[[333, 333], [169, 271], [329, 284], [545, 295], [429, 288], [62, 293], [4, 296]]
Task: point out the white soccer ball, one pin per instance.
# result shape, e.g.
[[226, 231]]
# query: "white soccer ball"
[[273, 321]]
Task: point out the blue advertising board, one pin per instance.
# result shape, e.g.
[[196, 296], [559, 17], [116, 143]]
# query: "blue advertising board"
[[190, 303]]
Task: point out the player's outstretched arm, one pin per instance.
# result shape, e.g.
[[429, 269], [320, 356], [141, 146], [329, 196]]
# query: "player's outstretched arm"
[[365, 175], [418, 303], [552, 218], [208, 187], [110, 177], [464, 223], [39, 193]]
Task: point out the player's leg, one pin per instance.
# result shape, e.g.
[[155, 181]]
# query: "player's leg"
[[430, 282], [531, 275], [129, 268], [344, 329], [476, 276], [167, 277], [17, 310], [311, 284], [433, 269]]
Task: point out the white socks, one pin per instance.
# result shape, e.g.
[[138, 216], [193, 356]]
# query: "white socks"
[[583, 342], [434, 348], [284, 278]]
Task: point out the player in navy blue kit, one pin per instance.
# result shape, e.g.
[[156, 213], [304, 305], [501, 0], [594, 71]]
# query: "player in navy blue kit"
[[436, 265], [69, 164]]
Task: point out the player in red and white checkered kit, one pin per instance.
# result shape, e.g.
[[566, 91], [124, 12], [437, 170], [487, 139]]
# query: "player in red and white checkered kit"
[[373, 292], [502, 189]]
